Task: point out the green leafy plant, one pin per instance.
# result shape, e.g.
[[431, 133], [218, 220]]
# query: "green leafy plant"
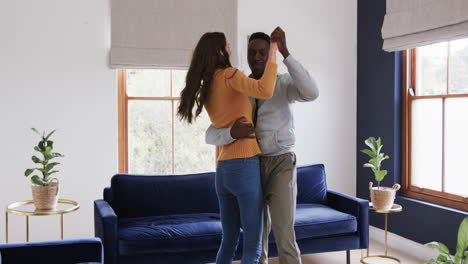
[[46, 167], [461, 254], [376, 158]]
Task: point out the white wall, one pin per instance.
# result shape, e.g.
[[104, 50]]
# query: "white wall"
[[54, 74], [322, 35]]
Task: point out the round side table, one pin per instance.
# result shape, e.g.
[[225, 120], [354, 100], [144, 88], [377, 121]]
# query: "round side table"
[[27, 208], [376, 259]]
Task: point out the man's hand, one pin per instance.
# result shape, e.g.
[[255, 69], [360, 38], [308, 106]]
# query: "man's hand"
[[279, 37], [242, 129]]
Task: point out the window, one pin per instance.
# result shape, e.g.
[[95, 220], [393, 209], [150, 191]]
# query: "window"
[[152, 139], [435, 123]]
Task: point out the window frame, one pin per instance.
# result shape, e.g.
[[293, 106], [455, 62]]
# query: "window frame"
[[123, 100], [409, 81]]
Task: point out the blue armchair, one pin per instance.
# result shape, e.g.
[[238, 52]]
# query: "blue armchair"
[[175, 219], [53, 252]]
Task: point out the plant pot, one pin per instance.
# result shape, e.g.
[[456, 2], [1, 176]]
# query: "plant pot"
[[46, 197], [382, 198]]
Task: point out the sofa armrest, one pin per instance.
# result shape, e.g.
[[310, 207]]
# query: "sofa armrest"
[[105, 227], [353, 206], [53, 252]]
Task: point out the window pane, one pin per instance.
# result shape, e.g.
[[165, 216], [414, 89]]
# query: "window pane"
[[192, 154], [431, 66], [178, 82], [149, 137], [456, 146], [426, 144], [458, 66], [150, 83]]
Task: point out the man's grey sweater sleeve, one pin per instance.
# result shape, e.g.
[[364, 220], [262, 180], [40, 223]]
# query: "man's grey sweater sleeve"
[[300, 85], [218, 136]]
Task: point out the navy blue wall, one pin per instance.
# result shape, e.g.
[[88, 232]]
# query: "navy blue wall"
[[379, 114]]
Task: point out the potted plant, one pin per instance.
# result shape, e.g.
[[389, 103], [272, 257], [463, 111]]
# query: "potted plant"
[[461, 254], [44, 188], [382, 197]]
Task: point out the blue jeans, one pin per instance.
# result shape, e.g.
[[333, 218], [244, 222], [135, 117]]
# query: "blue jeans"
[[239, 190]]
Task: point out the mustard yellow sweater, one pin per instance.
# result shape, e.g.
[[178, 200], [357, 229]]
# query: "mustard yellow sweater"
[[229, 101]]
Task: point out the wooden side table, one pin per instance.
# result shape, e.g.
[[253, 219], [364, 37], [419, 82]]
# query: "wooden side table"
[[28, 209], [376, 259]]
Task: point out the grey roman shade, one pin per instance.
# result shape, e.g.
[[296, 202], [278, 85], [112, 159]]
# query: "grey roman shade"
[[163, 33], [414, 23]]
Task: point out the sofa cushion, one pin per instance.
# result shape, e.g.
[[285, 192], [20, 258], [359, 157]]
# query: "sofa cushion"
[[311, 184], [170, 233], [189, 232], [317, 220], [148, 195]]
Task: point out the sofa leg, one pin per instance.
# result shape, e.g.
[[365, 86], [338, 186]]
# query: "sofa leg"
[[348, 257]]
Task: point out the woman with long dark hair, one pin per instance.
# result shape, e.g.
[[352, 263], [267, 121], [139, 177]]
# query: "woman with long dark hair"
[[212, 83]]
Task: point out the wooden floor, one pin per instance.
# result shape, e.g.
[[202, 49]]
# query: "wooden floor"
[[340, 257]]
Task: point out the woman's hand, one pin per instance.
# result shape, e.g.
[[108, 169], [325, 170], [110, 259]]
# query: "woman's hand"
[[272, 52], [274, 46]]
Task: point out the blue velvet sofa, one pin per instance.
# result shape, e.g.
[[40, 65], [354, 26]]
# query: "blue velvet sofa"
[[174, 219], [53, 252]]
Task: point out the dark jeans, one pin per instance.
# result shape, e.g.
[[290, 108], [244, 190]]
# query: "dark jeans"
[[238, 186]]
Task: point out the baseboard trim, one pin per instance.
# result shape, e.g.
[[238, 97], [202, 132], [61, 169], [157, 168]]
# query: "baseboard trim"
[[401, 244]]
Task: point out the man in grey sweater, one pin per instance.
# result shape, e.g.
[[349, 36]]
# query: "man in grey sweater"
[[274, 130]]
